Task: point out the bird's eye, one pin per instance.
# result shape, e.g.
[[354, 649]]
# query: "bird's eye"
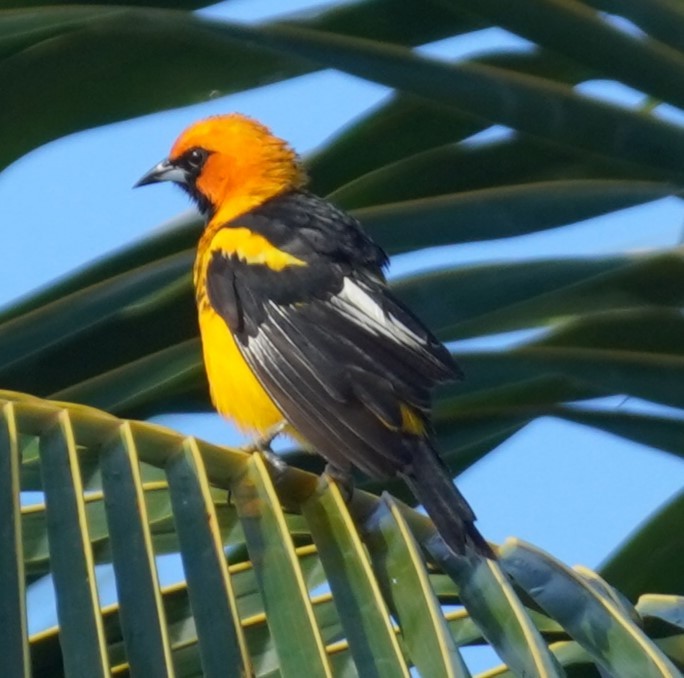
[[195, 158]]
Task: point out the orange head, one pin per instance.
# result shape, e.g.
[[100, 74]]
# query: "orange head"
[[229, 164]]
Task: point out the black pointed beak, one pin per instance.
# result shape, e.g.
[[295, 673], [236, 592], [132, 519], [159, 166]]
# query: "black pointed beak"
[[163, 171]]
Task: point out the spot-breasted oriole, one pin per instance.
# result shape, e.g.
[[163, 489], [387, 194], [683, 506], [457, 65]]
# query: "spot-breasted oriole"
[[299, 329]]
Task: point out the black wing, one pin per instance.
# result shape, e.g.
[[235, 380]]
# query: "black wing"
[[338, 354]]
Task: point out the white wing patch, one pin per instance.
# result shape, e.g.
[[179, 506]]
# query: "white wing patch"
[[359, 307]]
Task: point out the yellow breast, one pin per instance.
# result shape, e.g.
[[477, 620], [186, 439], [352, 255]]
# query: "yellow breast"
[[235, 391]]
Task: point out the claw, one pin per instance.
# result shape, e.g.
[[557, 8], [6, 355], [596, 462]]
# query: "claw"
[[279, 466], [277, 470], [344, 479]]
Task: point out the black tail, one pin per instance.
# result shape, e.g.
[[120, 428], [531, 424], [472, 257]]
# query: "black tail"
[[434, 488]]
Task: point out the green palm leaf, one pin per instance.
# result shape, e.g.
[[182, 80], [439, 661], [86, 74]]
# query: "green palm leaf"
[[225, 612]]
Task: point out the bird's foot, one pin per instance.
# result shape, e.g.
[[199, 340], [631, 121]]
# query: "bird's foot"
[[263, 444], [277, 465], [343, 478]]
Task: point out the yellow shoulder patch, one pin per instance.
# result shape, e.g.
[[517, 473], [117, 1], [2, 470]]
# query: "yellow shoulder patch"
[[252, 248], [411, 422]]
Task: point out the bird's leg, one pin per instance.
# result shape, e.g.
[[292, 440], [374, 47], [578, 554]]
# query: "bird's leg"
[[263, 444], [342, 475]]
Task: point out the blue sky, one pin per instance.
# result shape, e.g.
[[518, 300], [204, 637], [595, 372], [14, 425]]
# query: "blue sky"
[[572, 491]]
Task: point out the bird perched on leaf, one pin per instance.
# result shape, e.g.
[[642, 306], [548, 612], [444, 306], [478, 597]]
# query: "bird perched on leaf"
[[300, 331]]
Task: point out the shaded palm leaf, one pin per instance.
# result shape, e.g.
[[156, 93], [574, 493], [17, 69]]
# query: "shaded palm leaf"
[[240, 615]]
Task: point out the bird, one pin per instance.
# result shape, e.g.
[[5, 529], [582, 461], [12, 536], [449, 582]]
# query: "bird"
[[300, 331]]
